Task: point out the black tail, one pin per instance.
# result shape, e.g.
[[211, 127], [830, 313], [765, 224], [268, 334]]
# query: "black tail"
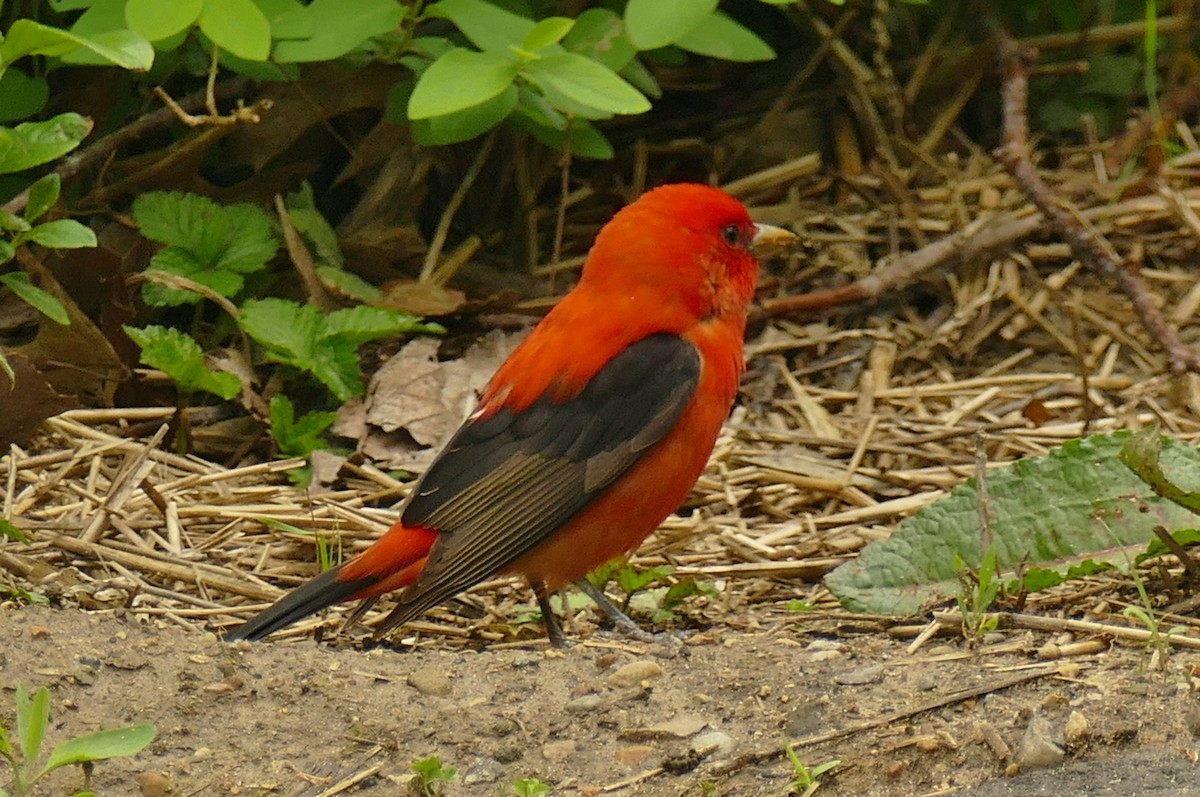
[[309, 598]]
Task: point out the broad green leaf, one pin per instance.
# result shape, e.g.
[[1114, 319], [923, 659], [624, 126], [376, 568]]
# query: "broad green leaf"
[[585, 140], [718, 36], [180, 357], [458, 80], [178, 261], [298, 438], [656, 23], [358, 325], [641, 78], [546, 32], [488, 26], [34, 143], [124, 48], [250, 240], [1077, 506], [340, 26], [587, 82], [7, 252], [42, 196], [33, 714], [1142, 454], [466, 124], [599, 34], [289, 19], [176, 218], [9, 532], [292, 334], [45, 303], [63, 234], [21, 96], [100, 745], [157, 20], [237, 26]]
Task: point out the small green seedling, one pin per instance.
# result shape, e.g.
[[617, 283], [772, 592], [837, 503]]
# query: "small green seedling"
[[977, 591], [430, 777], [1158, 645], [807, 780], [530, 787], [33, 717]]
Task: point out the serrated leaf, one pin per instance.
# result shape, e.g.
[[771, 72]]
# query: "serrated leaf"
[[547, 31], [359, 325], [1077, 504], [100, 745], [62, 234], [349, 285], [488, 26], [45, 303], [584, 81], [298, 438], [719, 36], [33, 143], [179, 356], [157, 20], [176, 218], [33, 714], [340, 26], [294, 334], [656, 23], [599, 34], [42, 196], [174, 260], [250, 240], [309, 222], [126, 49], [237, 26], [466, 124], [460, 79]]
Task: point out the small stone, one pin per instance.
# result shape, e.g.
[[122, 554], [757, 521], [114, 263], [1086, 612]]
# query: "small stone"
[[1077, 730], [554, 752], [487, 770], [153, 784], [712, 743], [526, 660], [583, 704], [679, 727], [634, 673], [202, 753], [825, 655], [429, 681], [860, 677], [818, 645], [1038, 746], [634, 755]]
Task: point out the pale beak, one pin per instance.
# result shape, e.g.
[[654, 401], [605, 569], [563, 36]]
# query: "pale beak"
[[771, 241]]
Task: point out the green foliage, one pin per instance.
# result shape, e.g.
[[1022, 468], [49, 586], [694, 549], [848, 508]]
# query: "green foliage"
[[806, 780], [33, 717], [324, 345], [216, 246], [530, 787], [180, 357], [977, 592], [431, 776], [1077, 507], [297, 438], [10, 532]]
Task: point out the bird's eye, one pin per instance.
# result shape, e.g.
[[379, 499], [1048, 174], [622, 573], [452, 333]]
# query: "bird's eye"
[[732, 235]]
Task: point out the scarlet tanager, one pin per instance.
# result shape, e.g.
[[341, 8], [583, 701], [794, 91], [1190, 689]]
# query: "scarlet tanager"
[[593, 430]]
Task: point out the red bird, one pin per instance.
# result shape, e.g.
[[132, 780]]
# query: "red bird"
[[593, 430]]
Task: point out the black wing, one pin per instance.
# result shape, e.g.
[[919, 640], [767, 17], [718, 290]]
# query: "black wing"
[[505, 483]]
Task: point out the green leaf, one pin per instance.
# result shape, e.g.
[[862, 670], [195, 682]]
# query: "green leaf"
[[460, 79], [587, 82], [45, 303], [599, 34], [340, 26], [250, 240], [124, 48], [1076, 505], [63, 234], [359, 325], [174, 260], [34, 143], [157, 20], [298, 438], [718, 36], [180, 219], [7, 252], [348, 284], [308, 221], [466, 124], [181, 358], [1142, 454], [586, 141], [21, 96], [292, 334], [42, 196], [289, 19], [546, 32], [237, 26], [100, 745], [32, 717], [10, 532], [6, 749], [656, 23], [488, 26]]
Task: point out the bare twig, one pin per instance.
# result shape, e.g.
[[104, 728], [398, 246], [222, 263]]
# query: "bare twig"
[[456, 200], [302, 259]]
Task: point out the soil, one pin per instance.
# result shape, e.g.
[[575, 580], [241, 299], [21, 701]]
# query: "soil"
[[696, 713]]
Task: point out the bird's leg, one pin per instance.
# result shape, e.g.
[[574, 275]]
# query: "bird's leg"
[[618, 618], [553, 629]]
